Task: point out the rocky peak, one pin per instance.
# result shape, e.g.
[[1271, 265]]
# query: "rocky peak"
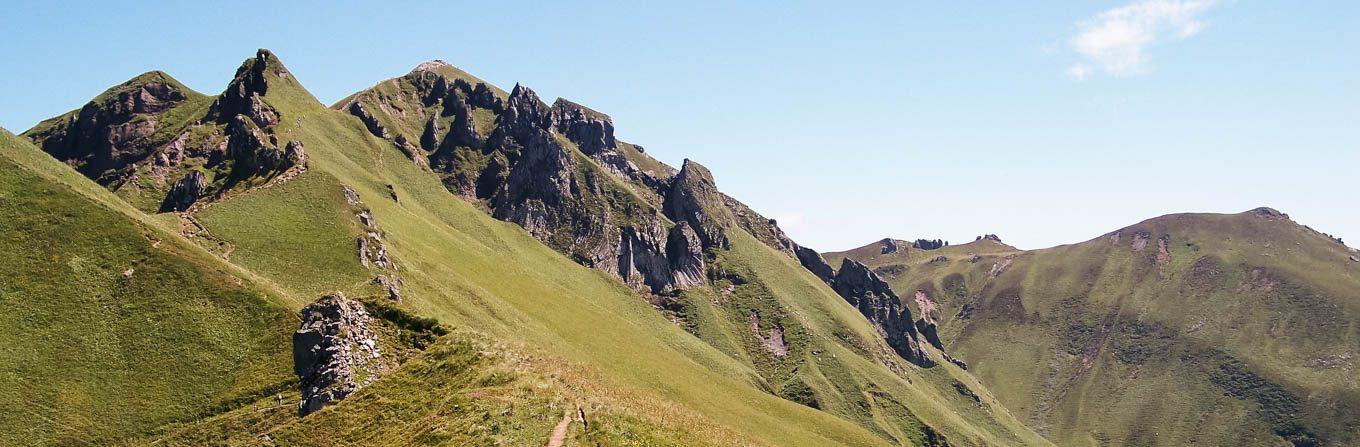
[[887, 246], [112, 130], [694, 198], [431, 65], [857, 279], [864, 290], [524, 107], [252, 81]]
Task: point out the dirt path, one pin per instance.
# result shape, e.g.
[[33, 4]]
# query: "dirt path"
[[559, 434]]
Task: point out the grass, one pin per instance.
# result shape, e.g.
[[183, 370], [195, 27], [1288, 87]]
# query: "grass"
[[110, 326]]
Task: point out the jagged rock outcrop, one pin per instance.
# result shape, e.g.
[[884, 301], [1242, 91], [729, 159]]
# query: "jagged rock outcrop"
[[888, 246], [876, 301], [527, 169], [244, 94], [119, 139], [694, 198], [335, 352], [186, 191], [252, 141], [591, 131]]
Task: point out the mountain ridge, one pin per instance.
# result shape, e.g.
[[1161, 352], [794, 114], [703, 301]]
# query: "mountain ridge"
[[760, 352]]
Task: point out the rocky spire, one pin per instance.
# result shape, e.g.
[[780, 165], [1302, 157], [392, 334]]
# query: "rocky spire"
[[864, 290], [244, 94], [694, 198]]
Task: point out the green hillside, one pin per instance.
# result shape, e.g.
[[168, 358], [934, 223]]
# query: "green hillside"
[[534, 333], [111, 326], [1185, 329]]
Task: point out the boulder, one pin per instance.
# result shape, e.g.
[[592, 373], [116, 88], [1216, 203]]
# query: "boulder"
[[335, 352]]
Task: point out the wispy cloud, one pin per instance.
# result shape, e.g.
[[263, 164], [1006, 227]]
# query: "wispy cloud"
[[1115, 41]]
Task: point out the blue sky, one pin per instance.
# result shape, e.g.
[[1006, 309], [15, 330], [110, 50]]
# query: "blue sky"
[[1043, 124]]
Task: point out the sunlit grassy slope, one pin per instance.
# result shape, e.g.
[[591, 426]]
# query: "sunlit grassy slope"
[[1242, 331], [109, 326]]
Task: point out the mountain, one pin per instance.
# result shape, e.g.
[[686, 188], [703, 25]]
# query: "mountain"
[[1237, 329], [433, 260]]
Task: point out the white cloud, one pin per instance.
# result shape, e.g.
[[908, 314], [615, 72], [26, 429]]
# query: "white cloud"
[[1115, 41], [1080, 71]]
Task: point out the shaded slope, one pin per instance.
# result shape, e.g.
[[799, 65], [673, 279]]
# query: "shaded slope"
[[1185, 328]]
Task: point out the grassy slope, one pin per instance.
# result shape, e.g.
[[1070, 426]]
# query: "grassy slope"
[[474, 272], [90, 354], [1247, 330]]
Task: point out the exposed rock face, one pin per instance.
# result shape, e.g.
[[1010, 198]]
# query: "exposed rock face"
[[876, 301], [527, 172], [591, 131], [119, 137], [250, 122], [1269, 213], [335, 353], [1000, 267], [1140, 240], [527, 169], [888, 246], [685, 255], [774, 343], [814, 262], [989, 237], [185, 192], [926, 324]]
